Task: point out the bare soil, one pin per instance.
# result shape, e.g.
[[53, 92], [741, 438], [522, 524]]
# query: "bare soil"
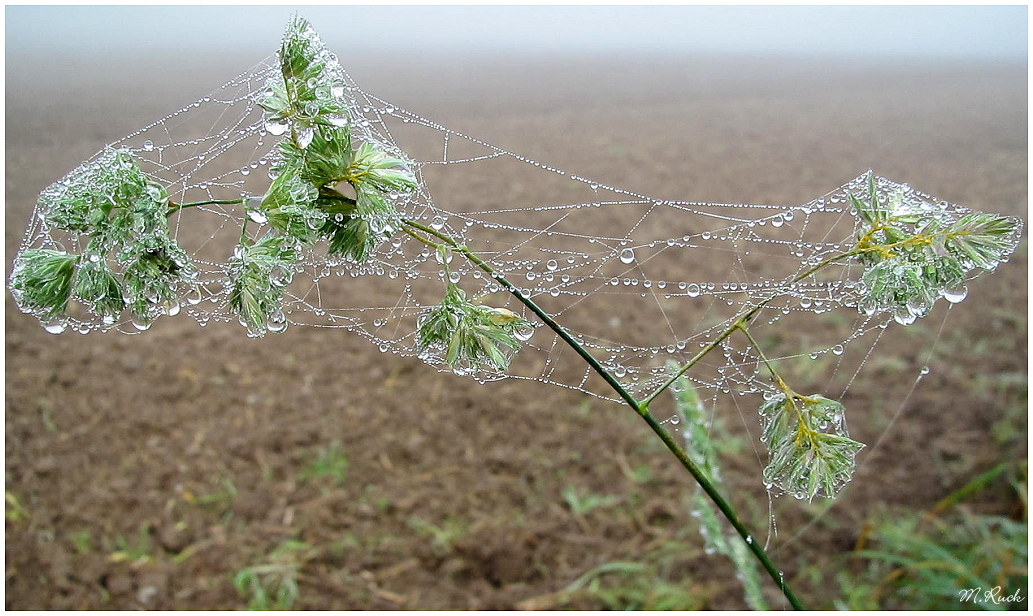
[[148, 470]]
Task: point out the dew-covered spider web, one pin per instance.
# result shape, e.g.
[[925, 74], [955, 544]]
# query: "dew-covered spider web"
[[639, 281]]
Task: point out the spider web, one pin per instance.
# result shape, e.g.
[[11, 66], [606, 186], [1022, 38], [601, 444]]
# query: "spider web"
[[640, 282]]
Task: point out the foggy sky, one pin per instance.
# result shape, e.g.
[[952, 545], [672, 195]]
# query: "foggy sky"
[[975, 32]]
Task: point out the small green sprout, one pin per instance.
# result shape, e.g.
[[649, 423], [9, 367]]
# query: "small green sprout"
[[273, 585], [330, 463]]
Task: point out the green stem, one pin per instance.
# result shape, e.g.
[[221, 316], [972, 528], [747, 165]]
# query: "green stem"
[[771, 368], [639, 407]]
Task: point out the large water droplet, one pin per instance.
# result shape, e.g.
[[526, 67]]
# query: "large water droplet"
[[956, 294], [692, 290], [277, 323], [523, 333], [551, 265], [56, 326], [305, 136], [627, 255], [276, 127]]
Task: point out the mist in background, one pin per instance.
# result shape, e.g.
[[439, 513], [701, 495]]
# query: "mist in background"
[[921, 32]]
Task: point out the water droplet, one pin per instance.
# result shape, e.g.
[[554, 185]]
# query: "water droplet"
[[141, 322], [453, 277], [148, 145], [277, 322], [551, 265], [276, 127], [692, 290], [777, 221], [924, 370], [257, 216], [56, 326], [523, 333], [956, 294], [305, 136], [627, 255], [838, 349], [280, 276], [437, 223], [338, 121], [903, 316]]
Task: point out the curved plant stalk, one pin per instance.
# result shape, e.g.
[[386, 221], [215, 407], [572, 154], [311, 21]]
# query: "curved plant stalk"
[[640, 407]]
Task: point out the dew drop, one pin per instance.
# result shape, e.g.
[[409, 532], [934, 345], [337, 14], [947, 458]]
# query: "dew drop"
[[148, 145], [257, 216], [692, 290], [193, 297], [838, 349], [277, 323], [276, 127], [924, 370], [55, 327], [524, 333], [904, 316], [551, 265], [956, 294], [305, 136], [627, 255]]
